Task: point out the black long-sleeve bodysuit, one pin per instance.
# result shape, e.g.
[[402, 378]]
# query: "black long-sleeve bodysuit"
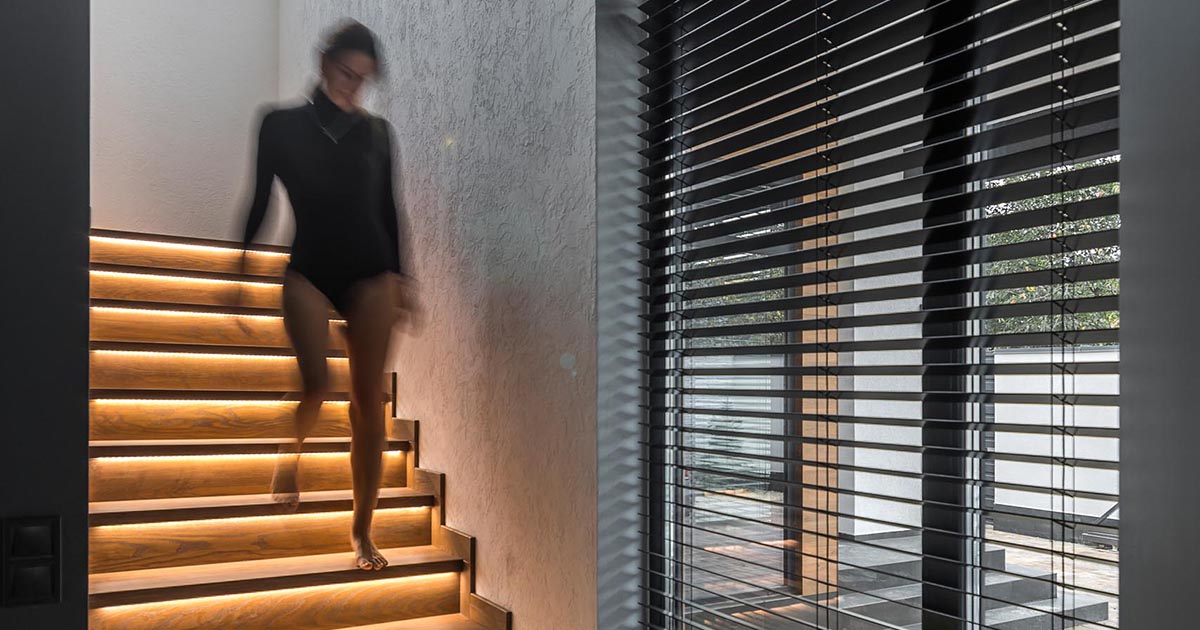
[[341, 192]]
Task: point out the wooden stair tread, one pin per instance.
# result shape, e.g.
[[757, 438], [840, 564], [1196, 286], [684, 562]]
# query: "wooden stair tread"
[[176, 351], [223, 446], [133, 370], [207, 395], [230, 506], [322, 564], [168, 252], [226, 578], [173, 272], [183, 503], [152, 238], [168, 347], [441, 622], [209, 309]]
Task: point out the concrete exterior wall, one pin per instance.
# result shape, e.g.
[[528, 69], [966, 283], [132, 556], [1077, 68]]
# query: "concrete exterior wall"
[[174, 91], [494, 107]]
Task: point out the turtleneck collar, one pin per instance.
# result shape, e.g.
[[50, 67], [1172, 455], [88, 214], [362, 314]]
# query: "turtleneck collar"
[[327, 110]]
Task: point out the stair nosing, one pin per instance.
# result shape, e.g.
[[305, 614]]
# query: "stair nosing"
[[459, 621], [179, 509], [168, 347], [202, 395], [147, 237], [223, 446], [231, 578], [185, 274], [181, 307]]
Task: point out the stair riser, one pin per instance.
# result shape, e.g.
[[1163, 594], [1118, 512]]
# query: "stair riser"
[[169, 371], [148, 326], [181, 419], [152, 546], [117, 479], [113, 251], [312, 608], [183, 291]]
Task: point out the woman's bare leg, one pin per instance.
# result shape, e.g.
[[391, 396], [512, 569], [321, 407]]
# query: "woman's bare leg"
[[368, 333], [306, 318]]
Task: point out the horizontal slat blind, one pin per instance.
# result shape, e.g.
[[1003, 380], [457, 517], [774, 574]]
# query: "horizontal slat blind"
[[881, 264]]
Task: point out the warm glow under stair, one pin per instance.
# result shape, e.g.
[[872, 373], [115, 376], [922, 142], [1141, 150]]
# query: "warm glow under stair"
[[191, 399]]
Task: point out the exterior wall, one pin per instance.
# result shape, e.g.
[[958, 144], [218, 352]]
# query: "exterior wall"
[[1079, 478], [175, 86], [494, 108], [879, 516]]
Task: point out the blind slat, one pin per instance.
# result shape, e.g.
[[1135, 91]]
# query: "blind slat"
[[881, 313]]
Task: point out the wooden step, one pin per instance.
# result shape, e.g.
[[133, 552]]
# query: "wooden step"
[[193, 543], [193, 349], [226, 446], [217, 309], [333, 607], [190, 255], [183, 290], [255, 576], [121, 370], [241, 505], [195, 328], [136, 478], [204, 395], [116, 419], [441, 622]]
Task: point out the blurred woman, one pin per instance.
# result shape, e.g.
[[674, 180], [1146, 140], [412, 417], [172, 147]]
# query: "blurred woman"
[[349, 252]]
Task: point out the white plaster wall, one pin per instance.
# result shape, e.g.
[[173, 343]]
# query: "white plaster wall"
[[494, 107], [175, 86]]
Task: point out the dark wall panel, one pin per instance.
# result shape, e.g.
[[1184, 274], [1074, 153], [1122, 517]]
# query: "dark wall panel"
[[44, 286], [1160, 305]]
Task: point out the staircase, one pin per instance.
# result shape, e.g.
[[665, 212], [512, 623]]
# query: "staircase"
[[190, 401], [880, 589]]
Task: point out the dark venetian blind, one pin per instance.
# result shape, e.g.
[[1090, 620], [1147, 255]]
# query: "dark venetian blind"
[[881, 280]]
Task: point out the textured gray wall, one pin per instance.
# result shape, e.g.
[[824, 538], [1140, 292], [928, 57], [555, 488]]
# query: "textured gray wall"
[[1160, 90], [494, 106], [175, 89], [43, 281]]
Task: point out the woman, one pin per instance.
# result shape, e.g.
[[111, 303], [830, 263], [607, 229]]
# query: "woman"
[[349, 252]]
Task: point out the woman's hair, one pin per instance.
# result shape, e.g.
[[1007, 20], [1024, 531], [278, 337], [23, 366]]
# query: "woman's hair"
[[353, 36]]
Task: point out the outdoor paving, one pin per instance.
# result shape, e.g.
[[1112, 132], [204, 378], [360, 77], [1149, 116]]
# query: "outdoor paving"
[[749, 568]]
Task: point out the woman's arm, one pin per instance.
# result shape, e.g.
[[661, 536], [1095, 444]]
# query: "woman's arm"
[[395, 218], [264, 177]]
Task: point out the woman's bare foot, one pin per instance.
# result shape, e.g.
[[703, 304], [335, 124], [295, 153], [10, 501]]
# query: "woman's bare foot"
[[284, 487], [366, 554]]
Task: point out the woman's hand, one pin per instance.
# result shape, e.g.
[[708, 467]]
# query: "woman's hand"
[[407, 299]]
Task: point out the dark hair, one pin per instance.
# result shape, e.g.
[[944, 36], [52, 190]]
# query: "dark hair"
[[353, 36]]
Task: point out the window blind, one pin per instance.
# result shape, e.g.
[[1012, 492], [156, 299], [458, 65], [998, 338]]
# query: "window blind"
[[881, 326]]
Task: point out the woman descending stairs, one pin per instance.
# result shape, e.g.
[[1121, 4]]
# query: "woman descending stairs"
[[191, 400]]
